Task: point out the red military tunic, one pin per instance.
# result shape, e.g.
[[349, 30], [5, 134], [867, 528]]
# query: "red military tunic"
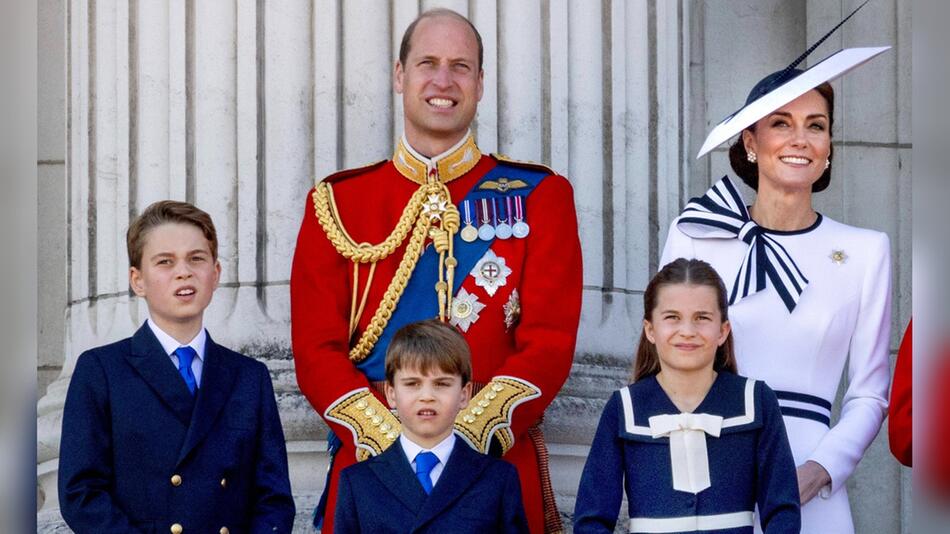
[[535, 346]]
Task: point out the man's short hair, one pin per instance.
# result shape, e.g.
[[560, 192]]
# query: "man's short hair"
[[429, 344], [167, 211], [438, 12]]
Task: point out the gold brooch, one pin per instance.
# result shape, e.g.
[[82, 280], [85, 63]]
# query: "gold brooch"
[[512, 309], [838, 257]]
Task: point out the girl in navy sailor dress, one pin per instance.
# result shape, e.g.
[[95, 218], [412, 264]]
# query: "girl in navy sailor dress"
[[695, 447]]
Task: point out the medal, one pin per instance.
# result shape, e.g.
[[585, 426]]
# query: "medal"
[[491, 272], [486, 232], [502, 229], [469, 233], [520, 229], [465, 309]]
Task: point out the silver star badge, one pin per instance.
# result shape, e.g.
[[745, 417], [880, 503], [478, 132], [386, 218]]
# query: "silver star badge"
[[838, 257], [465, 309], [491, 272]]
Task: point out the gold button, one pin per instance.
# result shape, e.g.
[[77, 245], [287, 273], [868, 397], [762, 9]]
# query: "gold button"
[[484, 403], [361, 404], [370, 412], [176, 480], [385, 427], [491, 395], [224, 482], [376, 420], [176, 529], [478, 410], [497, 387], [224, 530], [392, 436]]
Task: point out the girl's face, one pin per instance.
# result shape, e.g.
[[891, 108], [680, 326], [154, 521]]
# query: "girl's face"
[[686, 327]]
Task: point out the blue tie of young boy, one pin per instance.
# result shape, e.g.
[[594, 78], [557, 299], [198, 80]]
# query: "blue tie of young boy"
[[185, 356], [425, 462]]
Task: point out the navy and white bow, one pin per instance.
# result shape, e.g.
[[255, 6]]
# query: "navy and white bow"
[[721, 213]]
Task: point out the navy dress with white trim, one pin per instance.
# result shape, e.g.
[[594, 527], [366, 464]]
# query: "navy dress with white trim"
[[749, 464]]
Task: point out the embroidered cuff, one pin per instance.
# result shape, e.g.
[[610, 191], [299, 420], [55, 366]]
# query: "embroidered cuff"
[[374, 427], [489, 412]]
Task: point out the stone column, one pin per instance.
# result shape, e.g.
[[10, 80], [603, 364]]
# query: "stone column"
[[239, 106]]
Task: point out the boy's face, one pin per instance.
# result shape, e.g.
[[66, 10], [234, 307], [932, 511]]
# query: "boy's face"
[[427, 403], [177, 277]]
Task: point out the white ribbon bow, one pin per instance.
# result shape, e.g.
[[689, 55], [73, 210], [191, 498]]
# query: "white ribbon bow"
[[688, 456]]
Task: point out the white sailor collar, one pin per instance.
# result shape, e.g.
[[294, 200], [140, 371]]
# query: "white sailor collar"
[[731, 396]]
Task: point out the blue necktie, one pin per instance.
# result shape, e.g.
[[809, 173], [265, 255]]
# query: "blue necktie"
[[425, 461], [185, 356]]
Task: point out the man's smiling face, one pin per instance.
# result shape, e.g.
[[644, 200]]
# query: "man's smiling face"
[[440, 82]]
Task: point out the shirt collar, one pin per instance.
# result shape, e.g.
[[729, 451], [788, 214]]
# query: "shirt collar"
[[442, 450], [170, 344], [449, 165]]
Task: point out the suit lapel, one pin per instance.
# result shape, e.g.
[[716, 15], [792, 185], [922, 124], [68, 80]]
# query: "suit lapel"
[[394, 472], [156, 369], [463, 469], [216, 381]]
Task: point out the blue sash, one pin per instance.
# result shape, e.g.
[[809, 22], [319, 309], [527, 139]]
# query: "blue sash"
[[419, 300]]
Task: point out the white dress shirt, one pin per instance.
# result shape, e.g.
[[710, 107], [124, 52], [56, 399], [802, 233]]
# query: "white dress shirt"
[[170, 344], [443, 450]]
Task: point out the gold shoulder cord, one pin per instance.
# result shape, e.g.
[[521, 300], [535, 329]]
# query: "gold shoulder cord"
[[429, 213]]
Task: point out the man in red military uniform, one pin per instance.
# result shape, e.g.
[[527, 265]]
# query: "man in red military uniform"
[[440, 230]]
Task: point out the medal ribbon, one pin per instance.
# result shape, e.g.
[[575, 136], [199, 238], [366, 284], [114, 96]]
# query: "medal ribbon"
[[519, 208], [467, 208]]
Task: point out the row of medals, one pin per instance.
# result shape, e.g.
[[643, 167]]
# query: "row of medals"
[[493, 216]]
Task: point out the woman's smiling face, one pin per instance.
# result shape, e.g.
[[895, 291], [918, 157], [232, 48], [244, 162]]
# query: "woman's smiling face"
[[792, 143]]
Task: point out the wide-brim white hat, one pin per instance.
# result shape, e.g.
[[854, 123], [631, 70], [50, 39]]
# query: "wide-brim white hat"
[[795, 84]]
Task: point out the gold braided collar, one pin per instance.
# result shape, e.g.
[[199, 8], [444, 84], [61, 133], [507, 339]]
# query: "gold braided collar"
[[450, 164]]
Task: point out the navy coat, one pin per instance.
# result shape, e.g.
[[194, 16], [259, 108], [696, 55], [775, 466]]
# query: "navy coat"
[[474, 493], [139, 453], [750, 464]]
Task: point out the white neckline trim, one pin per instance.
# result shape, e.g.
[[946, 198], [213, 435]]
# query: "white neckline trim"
[[631, 427]]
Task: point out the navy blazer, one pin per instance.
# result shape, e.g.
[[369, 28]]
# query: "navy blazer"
[[140, 453], [750, 463], [474, 493]]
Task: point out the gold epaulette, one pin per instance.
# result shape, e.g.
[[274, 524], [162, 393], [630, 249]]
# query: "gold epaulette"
[[526, 164], [373, 426], [489, 412], [345, 173]]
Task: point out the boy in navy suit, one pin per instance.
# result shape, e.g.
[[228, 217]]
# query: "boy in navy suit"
[[429, 480], [168, 431]]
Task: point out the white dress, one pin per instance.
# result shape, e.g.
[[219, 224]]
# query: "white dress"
[[841, 322]]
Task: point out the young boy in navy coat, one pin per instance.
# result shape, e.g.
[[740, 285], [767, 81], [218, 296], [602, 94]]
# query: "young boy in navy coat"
[[168, 431], [428, 480]]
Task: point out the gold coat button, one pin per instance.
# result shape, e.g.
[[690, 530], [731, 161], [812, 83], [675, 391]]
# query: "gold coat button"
[[224, 482], [224, 530], [176, 528], [176, 480]]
